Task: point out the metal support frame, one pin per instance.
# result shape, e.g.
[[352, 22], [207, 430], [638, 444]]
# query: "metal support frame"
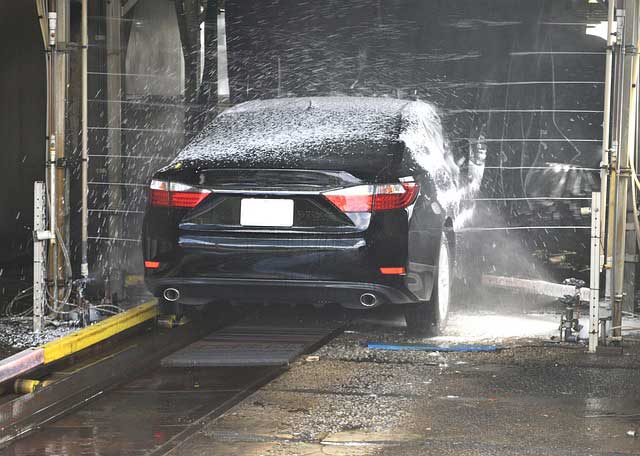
[[52, 26], [61, 212], [39, 248], [606, 123], [114, 141], [84, 266], [614, 119], [625, 100], [594, 280]]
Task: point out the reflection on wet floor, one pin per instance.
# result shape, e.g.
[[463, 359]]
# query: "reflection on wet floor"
[[141, 415]]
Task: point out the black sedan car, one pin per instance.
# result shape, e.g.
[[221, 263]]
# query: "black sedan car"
[[313, 200]]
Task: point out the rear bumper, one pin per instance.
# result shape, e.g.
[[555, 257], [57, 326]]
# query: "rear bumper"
[[194, 291]]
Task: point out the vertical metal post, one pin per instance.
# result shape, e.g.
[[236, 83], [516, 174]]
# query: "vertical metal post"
[[594, 280], [39, 275], [114, 138], [52, 17], [84, 266], [606, 122], [189, 16], [224, 93], [613, 155], [62, 183], [627, 143]]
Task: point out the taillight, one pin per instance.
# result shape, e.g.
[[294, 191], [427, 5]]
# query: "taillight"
[[352, 199], [371, 198], [395, 196], [175, 194]]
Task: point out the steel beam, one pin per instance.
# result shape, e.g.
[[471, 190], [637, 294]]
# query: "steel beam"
[[114, 139], [626, 135], [60, 106]]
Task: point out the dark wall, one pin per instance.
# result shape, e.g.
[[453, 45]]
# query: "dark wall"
[[521, 76], [22, 124]]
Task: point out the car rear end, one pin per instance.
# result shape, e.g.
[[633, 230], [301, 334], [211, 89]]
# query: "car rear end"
[[269, 235]]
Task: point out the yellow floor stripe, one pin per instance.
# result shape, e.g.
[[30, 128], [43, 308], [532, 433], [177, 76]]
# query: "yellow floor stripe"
[[79, 340]]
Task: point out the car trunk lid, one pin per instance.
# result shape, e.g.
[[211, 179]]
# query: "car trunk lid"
[[278, 201]]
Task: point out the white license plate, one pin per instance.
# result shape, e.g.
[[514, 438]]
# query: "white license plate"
[[266, 212]]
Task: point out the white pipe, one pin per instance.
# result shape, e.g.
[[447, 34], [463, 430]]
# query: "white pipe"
[[53, 24], [84, 267], [606, 125], [53, 21]]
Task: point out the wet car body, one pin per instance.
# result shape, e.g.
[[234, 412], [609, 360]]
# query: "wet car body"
[[313, 152]]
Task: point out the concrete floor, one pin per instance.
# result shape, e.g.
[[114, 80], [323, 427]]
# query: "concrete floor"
[[528, 399]]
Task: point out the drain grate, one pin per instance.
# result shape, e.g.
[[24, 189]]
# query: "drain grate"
[[249, 345]]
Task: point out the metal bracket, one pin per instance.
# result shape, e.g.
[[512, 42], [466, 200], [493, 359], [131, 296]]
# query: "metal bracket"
[[40, 236], [67, 163], [624, 171], [631, 258]]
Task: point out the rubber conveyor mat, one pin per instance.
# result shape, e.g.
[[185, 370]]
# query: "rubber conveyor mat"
[[249, 345]]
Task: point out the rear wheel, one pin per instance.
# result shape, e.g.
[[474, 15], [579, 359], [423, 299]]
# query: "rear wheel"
[[428, 318]]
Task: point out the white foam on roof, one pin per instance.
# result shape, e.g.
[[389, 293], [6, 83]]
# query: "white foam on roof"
[[283, 129]]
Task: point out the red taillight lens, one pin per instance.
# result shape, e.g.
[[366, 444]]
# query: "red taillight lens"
[[174, 194], [151, 264], [352, 199], [176, 199], [395, 196], [368, 198]]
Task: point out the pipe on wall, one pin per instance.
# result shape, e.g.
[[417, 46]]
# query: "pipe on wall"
[[84, 266]]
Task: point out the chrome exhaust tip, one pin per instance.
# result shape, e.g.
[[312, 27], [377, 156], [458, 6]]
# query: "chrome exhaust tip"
[[171, 294], [368, 300]]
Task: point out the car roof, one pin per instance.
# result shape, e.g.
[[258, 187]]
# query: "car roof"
[[289, 129]]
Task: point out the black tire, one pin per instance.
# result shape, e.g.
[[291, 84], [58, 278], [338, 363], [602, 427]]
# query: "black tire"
[[425, 318]]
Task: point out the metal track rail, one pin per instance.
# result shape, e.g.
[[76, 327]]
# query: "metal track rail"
[[75, 384], [151, 392]]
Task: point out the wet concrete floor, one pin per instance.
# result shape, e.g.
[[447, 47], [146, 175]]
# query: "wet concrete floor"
[[142, 415], [528, 399], [525, 400]]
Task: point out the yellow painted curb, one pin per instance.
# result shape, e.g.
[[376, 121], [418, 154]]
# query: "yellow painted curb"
[[133, 280], [79, 340]]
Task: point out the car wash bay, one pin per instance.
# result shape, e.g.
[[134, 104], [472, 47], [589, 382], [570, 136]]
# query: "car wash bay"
[[521, 83]]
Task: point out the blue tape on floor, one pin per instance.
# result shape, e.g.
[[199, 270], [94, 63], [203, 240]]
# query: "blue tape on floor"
[[454, 348]]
